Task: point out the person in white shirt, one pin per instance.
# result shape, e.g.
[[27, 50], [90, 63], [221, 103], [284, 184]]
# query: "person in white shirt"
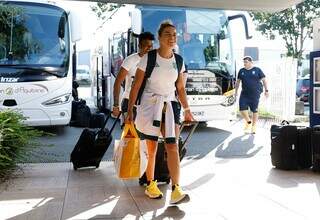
[[158, 112], [127, 73]]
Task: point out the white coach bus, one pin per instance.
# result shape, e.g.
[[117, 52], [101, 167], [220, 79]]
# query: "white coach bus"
[[37, 60], [203, 39]]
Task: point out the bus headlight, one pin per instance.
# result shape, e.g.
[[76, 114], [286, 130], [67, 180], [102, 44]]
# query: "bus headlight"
[[230, 98], [58, 100]]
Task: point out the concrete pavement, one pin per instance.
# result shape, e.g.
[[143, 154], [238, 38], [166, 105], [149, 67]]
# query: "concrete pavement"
[[241, 186]]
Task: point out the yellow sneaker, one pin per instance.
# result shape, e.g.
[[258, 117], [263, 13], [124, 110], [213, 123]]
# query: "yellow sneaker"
[[178, 195], [254, 129], [153, 191], [247, 127]]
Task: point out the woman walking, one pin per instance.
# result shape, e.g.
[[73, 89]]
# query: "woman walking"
[[158, 110]]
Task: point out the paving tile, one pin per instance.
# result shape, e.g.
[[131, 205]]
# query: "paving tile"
[[103, 176], [109, 208], [34, 205], [180, 214], [95, 193], [38, 177], [219, 187]]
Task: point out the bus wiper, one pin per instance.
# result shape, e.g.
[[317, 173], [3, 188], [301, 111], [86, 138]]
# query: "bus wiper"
[[49, 70]]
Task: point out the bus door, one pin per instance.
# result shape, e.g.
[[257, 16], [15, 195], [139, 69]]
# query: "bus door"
[[118, 52], [132, 42]]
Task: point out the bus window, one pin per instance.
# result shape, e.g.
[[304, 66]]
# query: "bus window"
[[117, 54]]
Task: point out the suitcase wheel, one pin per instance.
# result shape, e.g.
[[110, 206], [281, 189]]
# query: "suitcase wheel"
[[168, 181], [141, 183], [75, 167], [97, 165]]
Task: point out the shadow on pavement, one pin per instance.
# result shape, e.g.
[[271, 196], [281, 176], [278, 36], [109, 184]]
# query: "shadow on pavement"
[[171, 212], [239, 147], [200, 181], [292, 178], [204, 140]]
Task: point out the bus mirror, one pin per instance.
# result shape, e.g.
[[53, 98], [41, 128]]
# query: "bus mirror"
[[222, 35], [136, 22], [245, 23], [75, 24]]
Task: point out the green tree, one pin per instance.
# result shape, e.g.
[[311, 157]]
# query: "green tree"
[[294, 25], [101, 9], [210, 52], [12, 30]]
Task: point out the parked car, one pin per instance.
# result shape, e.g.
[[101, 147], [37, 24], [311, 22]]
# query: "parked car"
[[83, 75], [303, 88]]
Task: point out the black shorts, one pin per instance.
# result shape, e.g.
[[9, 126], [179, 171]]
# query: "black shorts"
[[249, 102]]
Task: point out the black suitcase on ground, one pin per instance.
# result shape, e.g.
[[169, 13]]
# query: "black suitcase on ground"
[[91, 146], [316, 148], [80, 114], [291, 147], [304, 146], [96, 120], [74, 106], [161, 172]]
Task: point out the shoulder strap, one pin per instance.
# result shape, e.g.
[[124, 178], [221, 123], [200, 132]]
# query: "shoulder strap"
[[179, 61], [151, 63]]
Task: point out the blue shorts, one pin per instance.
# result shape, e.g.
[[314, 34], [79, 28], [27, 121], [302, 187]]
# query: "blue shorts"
[[249, 102]]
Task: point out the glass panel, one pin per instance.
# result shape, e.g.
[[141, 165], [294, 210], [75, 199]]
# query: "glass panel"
[[199, 33], [31, 34], [316, 71], [316, 103], [118, 51]]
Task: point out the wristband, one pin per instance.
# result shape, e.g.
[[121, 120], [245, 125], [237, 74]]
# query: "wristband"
[[186, 109]]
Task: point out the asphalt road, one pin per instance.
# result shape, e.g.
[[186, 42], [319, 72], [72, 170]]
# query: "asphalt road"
[[224, 139]]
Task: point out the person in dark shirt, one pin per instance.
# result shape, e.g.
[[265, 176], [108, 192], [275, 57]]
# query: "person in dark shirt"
[[251, 78]]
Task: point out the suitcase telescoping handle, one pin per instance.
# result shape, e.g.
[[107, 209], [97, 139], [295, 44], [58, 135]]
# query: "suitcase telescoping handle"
[[106, 121], [284, 122], [184, 124]]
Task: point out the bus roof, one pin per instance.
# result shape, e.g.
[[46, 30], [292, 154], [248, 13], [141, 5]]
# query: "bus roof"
[[45, 2], [250, 5]]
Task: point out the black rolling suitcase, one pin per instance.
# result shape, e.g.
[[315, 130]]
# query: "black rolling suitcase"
[[91, 146], [96, 120], [316, 148], [161, 172], [80, 114], [291, 147]]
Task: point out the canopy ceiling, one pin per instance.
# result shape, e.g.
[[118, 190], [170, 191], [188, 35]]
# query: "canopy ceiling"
[[250, 5]]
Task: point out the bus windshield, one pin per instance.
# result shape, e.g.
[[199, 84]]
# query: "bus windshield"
[[33, 35], [200, 35]]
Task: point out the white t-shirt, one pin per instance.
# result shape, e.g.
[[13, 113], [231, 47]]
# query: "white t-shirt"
[[130, 64], [163, 77]]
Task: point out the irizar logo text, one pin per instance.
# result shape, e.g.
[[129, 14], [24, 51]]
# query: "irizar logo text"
[[6, 79]]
